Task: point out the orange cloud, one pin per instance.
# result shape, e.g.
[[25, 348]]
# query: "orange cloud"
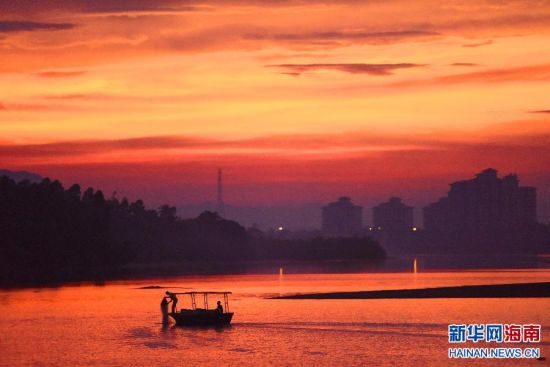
[[60, 74], [464, 64], [534, 134], [478, 44], [522, 73], [137, 94], [529, 73]]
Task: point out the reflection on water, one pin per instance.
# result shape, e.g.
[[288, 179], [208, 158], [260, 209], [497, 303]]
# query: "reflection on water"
[[119, 324]]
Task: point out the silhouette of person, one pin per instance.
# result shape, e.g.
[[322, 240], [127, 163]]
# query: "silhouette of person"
[[164, 310], [173, 299], [219, 309]]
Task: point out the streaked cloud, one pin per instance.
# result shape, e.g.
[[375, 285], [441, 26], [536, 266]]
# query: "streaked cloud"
[[86, 147], [202, 146], [344, 36], [20, 26], [464, 64], [352, 68], [531, 73], [521, 133], [31, 7], [60, 73], [478, 44]]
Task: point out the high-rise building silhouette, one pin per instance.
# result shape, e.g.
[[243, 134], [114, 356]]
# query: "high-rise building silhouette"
[[393, 216], [342, 218], [220, 205], [482, 205]]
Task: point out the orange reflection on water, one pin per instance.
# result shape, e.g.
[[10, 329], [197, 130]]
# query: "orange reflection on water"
[[120, 324]]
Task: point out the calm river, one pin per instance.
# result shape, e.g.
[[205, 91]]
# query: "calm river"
[[118, 324]]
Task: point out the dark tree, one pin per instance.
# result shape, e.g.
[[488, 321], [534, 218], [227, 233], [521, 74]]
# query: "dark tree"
[[52, 235]]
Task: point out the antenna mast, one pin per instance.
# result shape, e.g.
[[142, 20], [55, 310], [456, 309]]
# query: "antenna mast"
[[220, 204]]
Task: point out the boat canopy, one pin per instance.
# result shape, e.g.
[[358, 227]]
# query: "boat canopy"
[[201, 292], [205, 298]]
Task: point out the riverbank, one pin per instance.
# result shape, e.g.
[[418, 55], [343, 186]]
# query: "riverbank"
[[518, 290], [144, 271]]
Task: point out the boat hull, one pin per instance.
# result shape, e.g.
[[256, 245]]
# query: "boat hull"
[[201, 318]]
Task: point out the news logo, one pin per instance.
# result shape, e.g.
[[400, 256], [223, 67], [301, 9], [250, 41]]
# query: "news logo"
[[494, 334], [498, 333]]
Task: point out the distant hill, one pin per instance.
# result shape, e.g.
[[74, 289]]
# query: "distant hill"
[[21, 175]]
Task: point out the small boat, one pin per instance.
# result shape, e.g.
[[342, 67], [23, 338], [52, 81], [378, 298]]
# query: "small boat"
[[196, 316]]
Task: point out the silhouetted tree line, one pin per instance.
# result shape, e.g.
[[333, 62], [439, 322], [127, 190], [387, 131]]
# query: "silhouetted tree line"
[[50, 234]]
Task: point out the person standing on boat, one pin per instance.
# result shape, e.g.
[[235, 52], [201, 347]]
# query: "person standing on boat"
[[164, 310], [173, 299], [219, 309]]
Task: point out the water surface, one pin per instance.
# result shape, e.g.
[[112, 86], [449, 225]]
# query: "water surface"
[[118, 324]]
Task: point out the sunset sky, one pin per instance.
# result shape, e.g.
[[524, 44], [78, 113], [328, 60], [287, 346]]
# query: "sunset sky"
[[297, 100]]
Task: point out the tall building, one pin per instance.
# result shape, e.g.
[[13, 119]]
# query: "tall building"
[[483, 204], [393, 216], [342, 218]]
